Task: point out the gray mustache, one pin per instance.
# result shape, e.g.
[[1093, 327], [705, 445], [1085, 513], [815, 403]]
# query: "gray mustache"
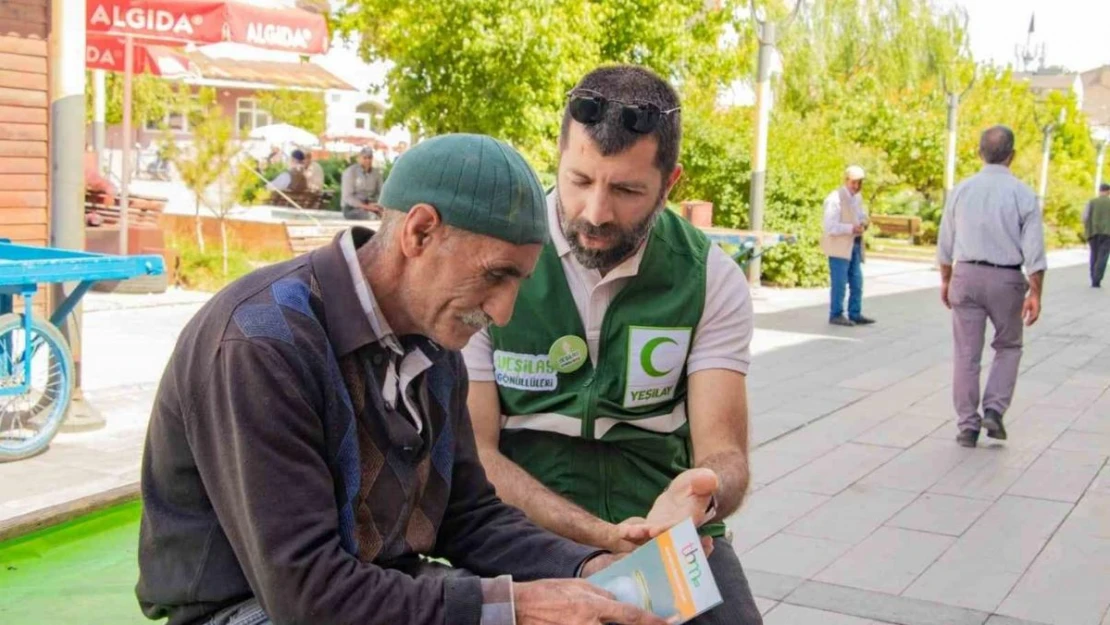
[[476, 319]]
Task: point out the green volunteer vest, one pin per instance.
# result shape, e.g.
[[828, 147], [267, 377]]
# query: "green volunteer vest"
[[1098, 221], [611, 437]]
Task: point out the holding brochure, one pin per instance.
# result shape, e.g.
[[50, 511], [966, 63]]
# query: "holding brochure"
[[668, 576]]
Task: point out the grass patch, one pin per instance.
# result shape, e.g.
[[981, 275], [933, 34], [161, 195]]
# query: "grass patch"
[[203, 271]]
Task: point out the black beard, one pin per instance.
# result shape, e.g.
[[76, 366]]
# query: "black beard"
[[626, 240]]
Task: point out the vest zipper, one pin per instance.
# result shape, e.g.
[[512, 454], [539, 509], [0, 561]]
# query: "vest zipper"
[[591, 402], [591, 382], [589, 433]]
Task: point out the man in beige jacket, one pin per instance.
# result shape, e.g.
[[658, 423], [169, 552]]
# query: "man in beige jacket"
[[844, 222]]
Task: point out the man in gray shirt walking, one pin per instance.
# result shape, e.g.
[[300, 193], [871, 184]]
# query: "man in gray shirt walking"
[[991, 228]]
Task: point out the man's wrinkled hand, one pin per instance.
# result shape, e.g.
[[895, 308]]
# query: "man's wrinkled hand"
[[573, 602], [944, 295]]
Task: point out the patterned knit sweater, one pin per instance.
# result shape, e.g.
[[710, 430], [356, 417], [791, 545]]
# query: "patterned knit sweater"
[[271, 469]]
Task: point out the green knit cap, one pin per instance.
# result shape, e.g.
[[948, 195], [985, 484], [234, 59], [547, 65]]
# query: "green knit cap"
[[477, 183]]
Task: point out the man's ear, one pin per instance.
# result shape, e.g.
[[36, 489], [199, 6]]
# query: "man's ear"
[[420, 223], [672, 180]]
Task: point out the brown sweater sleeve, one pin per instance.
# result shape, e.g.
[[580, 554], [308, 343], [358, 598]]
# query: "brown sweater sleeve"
[[258, 441], [487, 536]]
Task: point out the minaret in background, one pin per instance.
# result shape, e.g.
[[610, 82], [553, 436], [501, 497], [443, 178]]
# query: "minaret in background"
[[1030, 52]]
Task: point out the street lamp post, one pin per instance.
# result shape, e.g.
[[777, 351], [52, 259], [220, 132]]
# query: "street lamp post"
[[767, 32], [1046, 150], [1100, 162], [100, 107], [953, 100]]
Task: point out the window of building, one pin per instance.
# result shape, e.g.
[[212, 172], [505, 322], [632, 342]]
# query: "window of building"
[[249, 115], [176, 120], [374, 114], [362, 122]]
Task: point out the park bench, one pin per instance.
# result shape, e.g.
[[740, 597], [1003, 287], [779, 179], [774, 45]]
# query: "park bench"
[[907, 225], [141, 210], [310, 200], [144, 236]]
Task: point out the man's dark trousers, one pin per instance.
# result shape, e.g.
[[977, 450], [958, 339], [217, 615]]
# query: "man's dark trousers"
[[739, 606], [1100, 252]]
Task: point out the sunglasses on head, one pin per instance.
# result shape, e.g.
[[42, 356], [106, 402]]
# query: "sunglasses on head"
[[588, 107]]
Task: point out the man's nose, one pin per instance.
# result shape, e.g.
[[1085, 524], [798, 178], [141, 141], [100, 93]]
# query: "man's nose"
[[499, 306], [598, 209]]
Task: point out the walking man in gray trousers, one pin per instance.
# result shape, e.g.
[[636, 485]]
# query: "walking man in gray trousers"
[[992, 226]]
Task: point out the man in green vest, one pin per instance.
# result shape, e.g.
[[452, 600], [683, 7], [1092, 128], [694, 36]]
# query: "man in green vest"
[[613, 404], [1096, 225]]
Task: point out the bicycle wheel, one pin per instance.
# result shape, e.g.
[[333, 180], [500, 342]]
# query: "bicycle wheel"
[[30, 419]]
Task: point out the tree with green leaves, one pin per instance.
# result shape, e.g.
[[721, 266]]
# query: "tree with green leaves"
[[304, 109], [503, 68], [208, 159], [151, 99], [863, 81], [231, 181]]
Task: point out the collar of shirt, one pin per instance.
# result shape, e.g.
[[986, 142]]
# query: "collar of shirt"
[[857, 198], [406, 365], [347, 324], [996, 169], [627, 269], [378, 324]]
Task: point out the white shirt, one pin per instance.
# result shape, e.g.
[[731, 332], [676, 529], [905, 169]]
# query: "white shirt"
[[281, 183], [398, 379], [314, 176], [832, 213], [721, 339]]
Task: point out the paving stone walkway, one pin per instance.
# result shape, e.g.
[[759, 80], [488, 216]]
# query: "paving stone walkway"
[[866, 511]]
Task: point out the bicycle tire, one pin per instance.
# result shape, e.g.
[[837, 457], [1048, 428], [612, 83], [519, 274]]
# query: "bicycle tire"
[[61, 381]]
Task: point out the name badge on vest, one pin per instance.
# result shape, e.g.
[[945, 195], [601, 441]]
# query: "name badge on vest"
[[655, 363], [568, 353], [524, 372], [540, 372]]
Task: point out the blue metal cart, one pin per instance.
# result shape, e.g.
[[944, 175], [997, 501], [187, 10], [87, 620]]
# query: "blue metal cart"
[[36, 365]]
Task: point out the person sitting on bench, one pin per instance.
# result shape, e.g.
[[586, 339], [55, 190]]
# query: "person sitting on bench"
[[361, 186], [292, 180]]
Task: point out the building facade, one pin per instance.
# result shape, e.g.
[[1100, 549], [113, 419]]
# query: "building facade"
[[237, 84], [24, 121]]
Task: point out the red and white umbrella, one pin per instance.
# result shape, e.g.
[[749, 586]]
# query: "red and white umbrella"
[[199, 22], [210, 21]]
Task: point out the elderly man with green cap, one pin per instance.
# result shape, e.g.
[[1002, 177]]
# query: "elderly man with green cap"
[[309, 447]]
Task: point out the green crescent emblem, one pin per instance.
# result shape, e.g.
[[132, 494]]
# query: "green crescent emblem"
[[645, 356]]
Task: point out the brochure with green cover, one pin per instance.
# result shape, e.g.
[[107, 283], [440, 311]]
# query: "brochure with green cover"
[[668, 576]]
